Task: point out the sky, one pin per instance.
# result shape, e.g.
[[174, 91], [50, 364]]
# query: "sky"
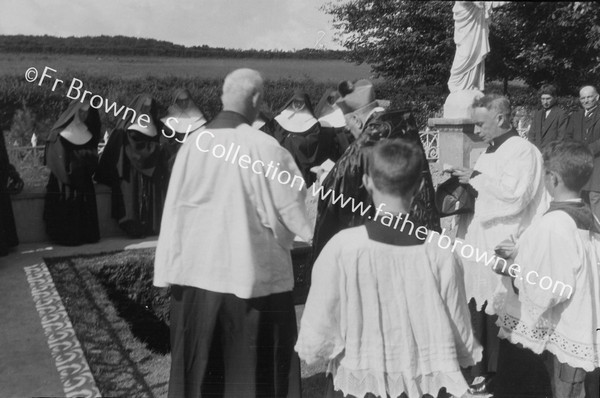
[[238, 24]]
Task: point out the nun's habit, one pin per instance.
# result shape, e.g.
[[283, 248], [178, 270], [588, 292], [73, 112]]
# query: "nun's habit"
[[183, 118], [346, 178], [71, 154], [333, 124], [8, 230], [130, 165], [297, 130]]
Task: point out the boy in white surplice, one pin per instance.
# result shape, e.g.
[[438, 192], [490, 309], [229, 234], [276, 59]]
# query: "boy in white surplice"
[[554, 307], [386, 307]]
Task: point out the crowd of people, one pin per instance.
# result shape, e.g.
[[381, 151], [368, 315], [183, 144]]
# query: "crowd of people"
[[392, 313]]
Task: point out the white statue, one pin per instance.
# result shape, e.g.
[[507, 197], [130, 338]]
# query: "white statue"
[[34, 140], [471, 31]]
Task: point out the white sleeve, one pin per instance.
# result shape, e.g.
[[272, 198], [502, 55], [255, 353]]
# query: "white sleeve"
[[291, 216], [320, 334], [549, 258], [512, 191]]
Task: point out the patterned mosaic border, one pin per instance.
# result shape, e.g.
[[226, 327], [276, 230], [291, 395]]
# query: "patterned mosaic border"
[[73, 368]]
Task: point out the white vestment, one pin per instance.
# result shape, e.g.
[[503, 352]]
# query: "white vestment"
[[511, 193], [558, 305], [390, 319], [226, 227]]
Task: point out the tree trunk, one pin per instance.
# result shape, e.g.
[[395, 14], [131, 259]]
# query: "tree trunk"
[[505, 85]]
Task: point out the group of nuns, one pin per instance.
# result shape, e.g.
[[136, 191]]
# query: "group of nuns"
[[136, 161]]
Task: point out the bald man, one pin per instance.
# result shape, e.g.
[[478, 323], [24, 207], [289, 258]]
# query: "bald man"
[[233, 207], [584, 125]]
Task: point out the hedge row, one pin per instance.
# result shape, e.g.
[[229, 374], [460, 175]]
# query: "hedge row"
[[45, 105]]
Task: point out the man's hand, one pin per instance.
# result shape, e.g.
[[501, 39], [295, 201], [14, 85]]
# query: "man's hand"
[[506, 249], [463, 174]]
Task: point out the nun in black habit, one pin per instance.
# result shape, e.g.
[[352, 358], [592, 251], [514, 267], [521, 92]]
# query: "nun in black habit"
[[264, 122], [333, 124], [131, 165], [71, 154], [10, 181], [297, 130], [346, 178], [183, 118]]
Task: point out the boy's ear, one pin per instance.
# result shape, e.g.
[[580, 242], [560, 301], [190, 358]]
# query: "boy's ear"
[[368, 183], [556, 179]]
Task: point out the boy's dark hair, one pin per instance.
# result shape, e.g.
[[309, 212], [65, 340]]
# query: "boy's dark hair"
[[395, 166], [572, 160], [547, 89]]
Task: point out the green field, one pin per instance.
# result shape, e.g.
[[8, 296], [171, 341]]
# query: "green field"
[[206, 68]]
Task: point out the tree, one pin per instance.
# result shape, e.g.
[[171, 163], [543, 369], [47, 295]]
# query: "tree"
[[411, 42], [547, 42], [408, 41]]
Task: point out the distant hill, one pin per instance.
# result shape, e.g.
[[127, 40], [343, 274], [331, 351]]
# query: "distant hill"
[[123, 45]]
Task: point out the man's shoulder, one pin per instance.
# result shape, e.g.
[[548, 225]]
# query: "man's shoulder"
[[518, 144], [577, 113], [561, 111], [257, 136]]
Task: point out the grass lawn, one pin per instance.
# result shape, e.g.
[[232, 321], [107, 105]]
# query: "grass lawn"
[[210, 68]]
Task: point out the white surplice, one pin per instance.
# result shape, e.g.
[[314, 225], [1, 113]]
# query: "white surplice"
[[227, 227], [511, 193], [390, 319], [546, 315]]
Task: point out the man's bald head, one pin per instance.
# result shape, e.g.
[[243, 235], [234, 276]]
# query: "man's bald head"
[[242, 92], [588, 96]]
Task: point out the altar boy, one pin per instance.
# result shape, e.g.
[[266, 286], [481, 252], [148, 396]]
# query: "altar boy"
[[386, 307], [552, 306]]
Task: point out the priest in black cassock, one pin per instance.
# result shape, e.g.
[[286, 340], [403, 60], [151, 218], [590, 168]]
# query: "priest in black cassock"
[[130, 165], [70, 211], [9, 181], [361, 109], [297, 130]]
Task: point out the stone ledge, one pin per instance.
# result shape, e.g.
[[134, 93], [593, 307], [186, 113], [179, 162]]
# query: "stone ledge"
[[440, 121]]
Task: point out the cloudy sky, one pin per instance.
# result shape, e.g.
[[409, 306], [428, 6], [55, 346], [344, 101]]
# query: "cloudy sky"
[[243, 24]]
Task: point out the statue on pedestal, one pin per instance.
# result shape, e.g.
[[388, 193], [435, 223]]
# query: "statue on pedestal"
[[471, 31]]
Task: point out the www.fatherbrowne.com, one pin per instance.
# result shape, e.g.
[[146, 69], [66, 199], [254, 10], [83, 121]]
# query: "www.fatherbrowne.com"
[[444, 241]]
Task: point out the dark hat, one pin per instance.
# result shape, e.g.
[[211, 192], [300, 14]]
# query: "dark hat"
[[452, 197]]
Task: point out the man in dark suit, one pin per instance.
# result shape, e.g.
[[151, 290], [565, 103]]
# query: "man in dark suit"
[[550, 122], [584, 125]]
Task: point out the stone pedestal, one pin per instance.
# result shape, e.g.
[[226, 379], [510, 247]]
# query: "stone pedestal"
[[457, 142], [458, 146], [459, 104]]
